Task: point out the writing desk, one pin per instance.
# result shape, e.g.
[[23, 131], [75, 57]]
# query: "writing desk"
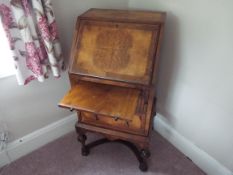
[[112, 71]]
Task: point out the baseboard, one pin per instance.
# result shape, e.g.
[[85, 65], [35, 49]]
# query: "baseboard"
[[203, 160], [37, 139], [3, 159]]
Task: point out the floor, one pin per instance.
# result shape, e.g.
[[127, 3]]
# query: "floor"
[[62, 157]]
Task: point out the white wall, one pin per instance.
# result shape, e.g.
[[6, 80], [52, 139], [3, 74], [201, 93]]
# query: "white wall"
[[28, 108], [196, 72]]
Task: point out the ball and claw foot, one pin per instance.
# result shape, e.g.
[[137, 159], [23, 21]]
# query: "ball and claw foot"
[[143, 166]]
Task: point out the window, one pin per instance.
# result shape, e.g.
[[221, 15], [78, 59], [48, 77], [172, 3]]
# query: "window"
[[6, 61]]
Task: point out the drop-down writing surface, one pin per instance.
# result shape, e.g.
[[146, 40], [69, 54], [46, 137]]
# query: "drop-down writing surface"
[[112, 101]]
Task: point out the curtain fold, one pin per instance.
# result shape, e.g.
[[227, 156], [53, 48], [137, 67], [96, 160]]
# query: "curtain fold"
[[31, 30]]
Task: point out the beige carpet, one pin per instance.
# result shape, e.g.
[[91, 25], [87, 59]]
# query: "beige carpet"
[[63, 157]]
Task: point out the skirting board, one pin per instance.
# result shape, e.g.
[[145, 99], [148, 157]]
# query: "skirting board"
[[37, 139], [204, 161]]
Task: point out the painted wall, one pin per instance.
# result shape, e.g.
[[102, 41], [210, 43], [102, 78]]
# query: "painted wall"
[[196, 72], [27, 108]]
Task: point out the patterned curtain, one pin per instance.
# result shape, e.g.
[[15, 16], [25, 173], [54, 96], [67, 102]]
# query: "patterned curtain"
[[32, 33]]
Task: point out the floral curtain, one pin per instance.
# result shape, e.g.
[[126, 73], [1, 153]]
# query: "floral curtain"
[[32, 33]]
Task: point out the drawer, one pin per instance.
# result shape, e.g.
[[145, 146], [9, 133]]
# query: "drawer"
[[135, 125]]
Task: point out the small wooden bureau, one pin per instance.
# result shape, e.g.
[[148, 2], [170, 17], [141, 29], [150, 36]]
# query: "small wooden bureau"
[[112, 70]]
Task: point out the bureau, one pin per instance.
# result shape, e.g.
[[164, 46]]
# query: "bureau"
[[112, 71]]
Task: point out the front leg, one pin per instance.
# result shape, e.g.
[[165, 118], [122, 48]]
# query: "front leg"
[[82, 139]]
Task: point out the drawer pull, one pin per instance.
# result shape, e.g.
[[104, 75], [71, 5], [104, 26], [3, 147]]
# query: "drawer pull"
[[116, 118], [71, 109]]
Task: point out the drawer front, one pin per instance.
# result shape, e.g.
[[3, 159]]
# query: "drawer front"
[[135, 126]]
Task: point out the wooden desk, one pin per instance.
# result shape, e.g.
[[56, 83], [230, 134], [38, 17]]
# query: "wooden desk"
[[113, 70]]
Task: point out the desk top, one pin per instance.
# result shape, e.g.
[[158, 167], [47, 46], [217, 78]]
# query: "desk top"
[[126, 15]]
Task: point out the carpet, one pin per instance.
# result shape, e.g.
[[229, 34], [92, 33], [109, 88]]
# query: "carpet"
[[63, 157]]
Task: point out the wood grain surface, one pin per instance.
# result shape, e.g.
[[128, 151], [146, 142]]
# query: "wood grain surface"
[[115, 51], [102, 99]]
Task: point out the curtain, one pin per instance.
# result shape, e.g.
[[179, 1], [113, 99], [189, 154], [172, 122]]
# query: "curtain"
[[33, 38]]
